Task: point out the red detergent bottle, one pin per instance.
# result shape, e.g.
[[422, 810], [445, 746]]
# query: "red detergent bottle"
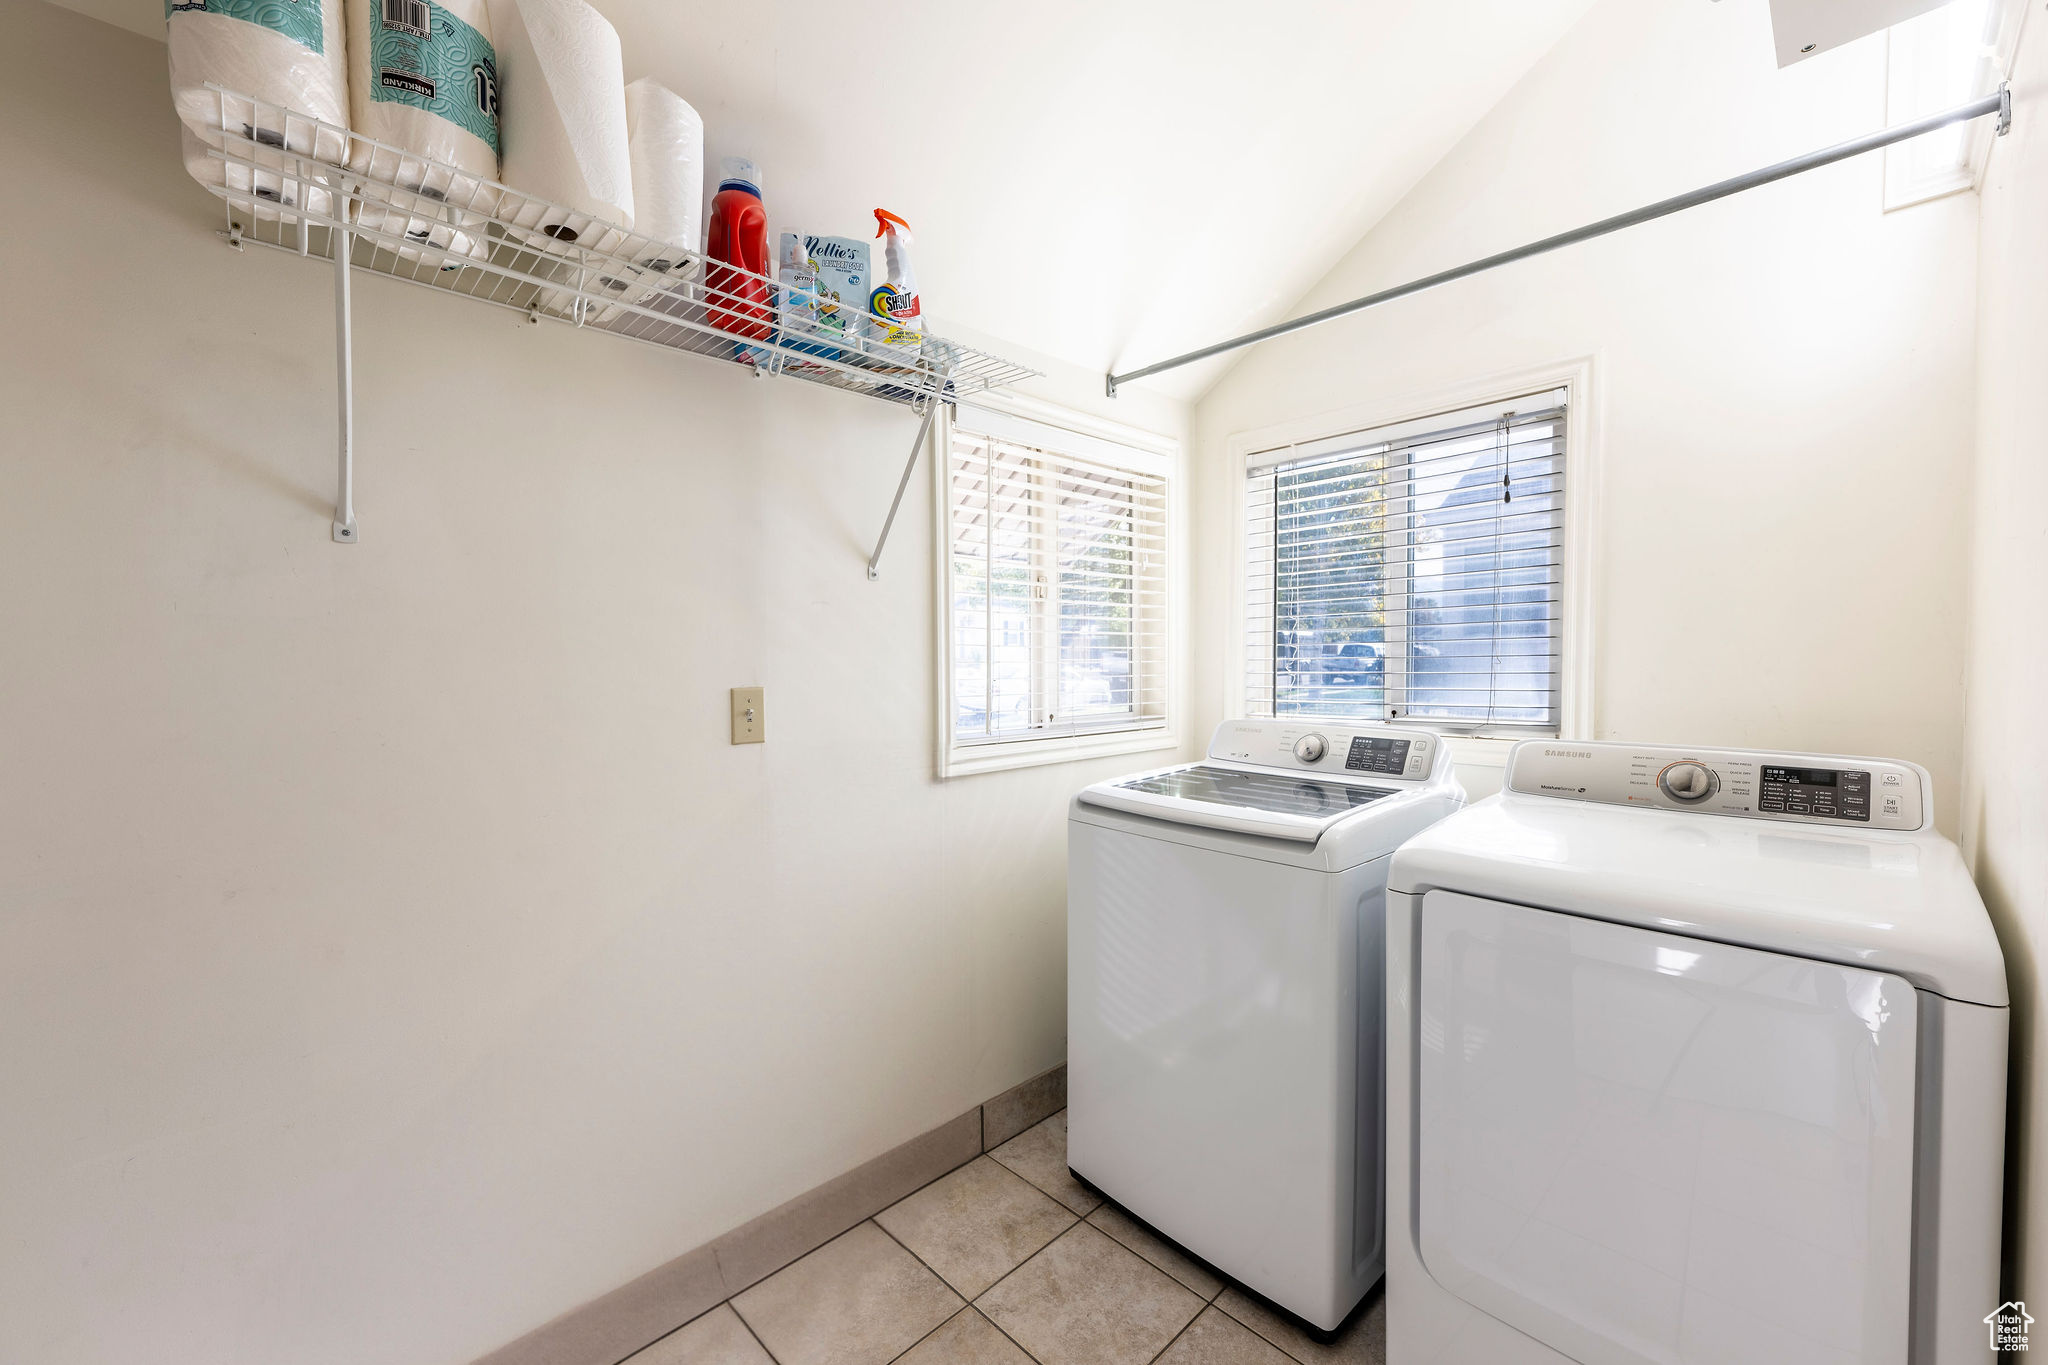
[[739, 303]]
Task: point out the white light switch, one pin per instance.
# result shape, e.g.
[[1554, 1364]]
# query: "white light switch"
[[748, 705]]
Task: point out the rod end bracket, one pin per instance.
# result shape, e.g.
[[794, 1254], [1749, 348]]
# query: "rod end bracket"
[[345, 531], [2004, 108], [1109, 386]]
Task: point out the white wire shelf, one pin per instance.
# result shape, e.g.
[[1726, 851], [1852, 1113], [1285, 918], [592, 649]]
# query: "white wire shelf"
[[292, 182]]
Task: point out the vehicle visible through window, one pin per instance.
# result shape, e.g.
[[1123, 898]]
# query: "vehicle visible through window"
[[1412, 573]]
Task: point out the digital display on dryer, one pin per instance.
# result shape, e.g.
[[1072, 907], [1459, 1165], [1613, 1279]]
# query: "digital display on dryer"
[[1369, 755]]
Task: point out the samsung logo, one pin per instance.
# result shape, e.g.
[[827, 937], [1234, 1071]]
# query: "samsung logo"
[[1567, 753]]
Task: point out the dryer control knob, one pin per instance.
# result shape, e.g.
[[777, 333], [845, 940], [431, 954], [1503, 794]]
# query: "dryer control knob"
[[1690, 783], [1311, 748]]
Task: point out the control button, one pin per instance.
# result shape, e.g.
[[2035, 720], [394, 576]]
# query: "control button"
[[1311, 748], [1688, 783], [1894, 780], [1891, 805]]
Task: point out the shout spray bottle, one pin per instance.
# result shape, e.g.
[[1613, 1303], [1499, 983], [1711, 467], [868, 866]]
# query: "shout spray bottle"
[[898, 318]]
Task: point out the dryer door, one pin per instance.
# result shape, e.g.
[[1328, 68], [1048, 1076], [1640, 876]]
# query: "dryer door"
[[1636, 1146]]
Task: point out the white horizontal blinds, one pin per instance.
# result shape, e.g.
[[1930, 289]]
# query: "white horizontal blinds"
[[1412, 573], [1058, 589]]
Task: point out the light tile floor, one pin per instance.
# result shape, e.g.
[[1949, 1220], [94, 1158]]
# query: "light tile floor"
[[1009, 1260]]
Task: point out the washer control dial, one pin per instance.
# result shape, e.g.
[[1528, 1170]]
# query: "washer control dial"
[[1688, 783], [1311, 748]]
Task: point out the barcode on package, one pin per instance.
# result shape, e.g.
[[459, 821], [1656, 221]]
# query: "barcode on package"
[[409, 16]]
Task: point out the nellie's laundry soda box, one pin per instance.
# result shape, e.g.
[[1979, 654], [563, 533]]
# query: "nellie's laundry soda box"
[[824, 293]]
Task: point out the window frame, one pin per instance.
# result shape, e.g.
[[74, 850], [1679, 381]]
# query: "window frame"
[[1577, 641], [1149, 453], [1902, 189]]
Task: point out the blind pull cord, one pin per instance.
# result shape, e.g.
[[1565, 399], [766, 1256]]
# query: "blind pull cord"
[[1507, 493]]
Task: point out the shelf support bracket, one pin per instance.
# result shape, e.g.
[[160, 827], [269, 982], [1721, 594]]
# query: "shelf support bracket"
[[343, 242], [924, 430]]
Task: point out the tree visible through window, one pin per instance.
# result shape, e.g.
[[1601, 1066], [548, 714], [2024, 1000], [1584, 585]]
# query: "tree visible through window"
[[1057, 590]]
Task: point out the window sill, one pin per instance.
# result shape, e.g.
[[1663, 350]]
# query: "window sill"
[[967, 760]]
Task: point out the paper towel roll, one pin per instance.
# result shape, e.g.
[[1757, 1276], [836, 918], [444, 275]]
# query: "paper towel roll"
[[562, 111], [286, 190], [423, 79], [607, 284], [288, 55], [666, 138], [397, 231]]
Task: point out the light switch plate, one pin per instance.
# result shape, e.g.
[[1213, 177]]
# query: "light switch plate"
[[749, 714]]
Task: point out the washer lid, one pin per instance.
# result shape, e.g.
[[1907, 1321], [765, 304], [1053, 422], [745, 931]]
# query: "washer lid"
[[1244, 800], [1893, 902]]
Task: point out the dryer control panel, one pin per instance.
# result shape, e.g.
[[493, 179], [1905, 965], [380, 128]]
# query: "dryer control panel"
[[1336, 748], [1873, 793]]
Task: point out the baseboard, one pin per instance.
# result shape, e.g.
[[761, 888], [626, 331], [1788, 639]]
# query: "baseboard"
[[609, 1328]]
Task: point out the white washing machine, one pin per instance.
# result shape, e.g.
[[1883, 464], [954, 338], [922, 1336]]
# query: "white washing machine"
[[1697, 1057], [1224, 974]]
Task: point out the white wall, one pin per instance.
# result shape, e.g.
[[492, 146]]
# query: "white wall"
[[1784, 382], [395, 953], [2005, 816]]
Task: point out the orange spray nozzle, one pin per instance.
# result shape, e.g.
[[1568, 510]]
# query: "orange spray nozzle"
[[882, 220]]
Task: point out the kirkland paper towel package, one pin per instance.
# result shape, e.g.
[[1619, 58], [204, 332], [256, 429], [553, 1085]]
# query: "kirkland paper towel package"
[[423, 79], [562, 119], [666, 138], [286, 55], [263, 188]]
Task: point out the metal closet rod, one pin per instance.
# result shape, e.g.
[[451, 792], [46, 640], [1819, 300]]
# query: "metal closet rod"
[[1999, 102]]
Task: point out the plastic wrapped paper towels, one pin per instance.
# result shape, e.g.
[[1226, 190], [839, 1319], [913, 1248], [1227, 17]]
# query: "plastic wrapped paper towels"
[[666, 139], [562, 111], [423, 78], [284, 54], [283, 188], [423, 81], [451, 247]]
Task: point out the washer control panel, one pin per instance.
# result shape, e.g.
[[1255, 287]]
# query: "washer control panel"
[[1378, 754], [1809, 788], [1342, 749]]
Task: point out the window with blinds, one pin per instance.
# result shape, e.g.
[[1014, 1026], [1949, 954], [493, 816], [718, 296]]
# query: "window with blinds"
[[1057, 583], [1412, 573]]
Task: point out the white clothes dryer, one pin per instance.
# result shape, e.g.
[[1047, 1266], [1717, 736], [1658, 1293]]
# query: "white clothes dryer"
[[1696, 1057]]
